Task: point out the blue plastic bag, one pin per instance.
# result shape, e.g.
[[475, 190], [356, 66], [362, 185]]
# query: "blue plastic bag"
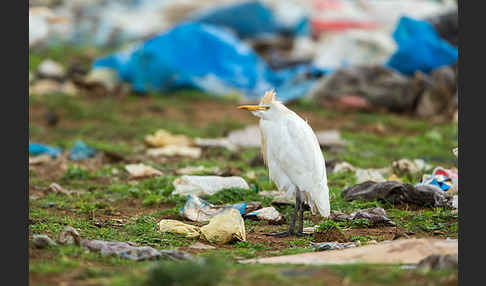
[[420, 48], [81, 151], [39, 149], [195, 55]]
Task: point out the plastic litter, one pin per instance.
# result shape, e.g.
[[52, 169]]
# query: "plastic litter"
[[225, 227], [446, 180], [399, 193], [42, 241], [377, 216], [177, 227], [69, 235], [199, 210], [420, 48], [439, 262], [141, 170], [375, 175], [175, 150], [57, 189], [269, 214], [50, 69], [163, 138], [331, 245], [105, 77], [81, 151], [206, 185], [405, 167], [343, 167], [39, 149]]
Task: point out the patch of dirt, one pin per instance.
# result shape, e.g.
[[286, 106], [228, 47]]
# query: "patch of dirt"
[[331, 235], [379, 233]]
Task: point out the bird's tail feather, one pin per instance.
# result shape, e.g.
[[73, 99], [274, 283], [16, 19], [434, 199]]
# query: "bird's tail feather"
[[320, 201]]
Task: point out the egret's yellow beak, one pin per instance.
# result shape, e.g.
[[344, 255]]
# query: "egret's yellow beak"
[[252, 107]]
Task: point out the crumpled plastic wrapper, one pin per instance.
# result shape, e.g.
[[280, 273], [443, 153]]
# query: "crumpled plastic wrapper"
[[398, 193], [225, 227], [163, 138], [177, 227], [206, 185], [377, 216], [199, 210], [141, 171], [175, 150], [269, 214]]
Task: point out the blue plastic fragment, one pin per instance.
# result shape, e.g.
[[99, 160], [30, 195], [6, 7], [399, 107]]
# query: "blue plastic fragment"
[[81, 151], [420, 48], [39, 149]]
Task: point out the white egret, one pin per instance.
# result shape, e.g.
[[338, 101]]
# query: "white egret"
[[294, 158]]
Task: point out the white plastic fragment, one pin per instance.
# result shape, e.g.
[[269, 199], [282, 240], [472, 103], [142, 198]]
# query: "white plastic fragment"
[[175, 150], [206, 185], [141, 170], [177, 227], [269, 214]]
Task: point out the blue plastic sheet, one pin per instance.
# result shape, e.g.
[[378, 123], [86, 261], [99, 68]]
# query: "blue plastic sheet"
[[39, 149], [81, 151], [202, 56], [420, 48]]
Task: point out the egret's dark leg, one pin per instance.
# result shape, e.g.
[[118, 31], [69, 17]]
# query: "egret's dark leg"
[[298, 205], [300, 230]]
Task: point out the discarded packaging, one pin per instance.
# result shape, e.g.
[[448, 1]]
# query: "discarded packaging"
[[206, 185], [331, 245], [439, 262], [225, 227], [401, 251], [69, 235], [141, 170], [399, 193], [39, 149], [175, 150], [57, 189], [163, 138], [177, 227], [343, 167], [377, 216], [199, 210], [81, 151], [269, 214], [446, 180], [42, 241]]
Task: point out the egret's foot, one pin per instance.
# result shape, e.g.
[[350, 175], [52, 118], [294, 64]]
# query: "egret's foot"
[[280, 234]]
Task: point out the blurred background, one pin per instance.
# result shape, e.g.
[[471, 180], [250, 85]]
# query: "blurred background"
[[155, 84]]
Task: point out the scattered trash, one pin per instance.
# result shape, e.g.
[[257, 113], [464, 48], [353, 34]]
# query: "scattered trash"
[[377, 216], [198, 169], [141, 170], [199, 245], [105, 77], [41, 159], [225, 227], [177, 227], [331, 245], [175, 150], [50, 69], [206, 185], [439, 262], [269, 214], [375, 175], [126, 250], [57, 189], [446, 180], [310, 229], [405, 167], [248, 137], [39, 149], [81, 151], [420, 48], [400, 251], [398, 193], [215, 142], [42, 241], [366, 88], [343, 167], [199, 210], [163, 138], [69, 235], [330, 138]]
